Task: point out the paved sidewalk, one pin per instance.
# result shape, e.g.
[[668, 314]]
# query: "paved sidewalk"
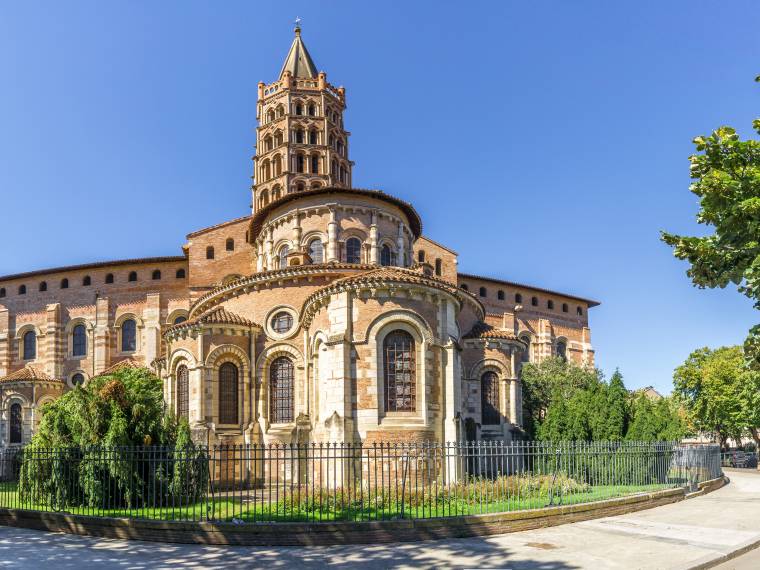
[[703, 530]]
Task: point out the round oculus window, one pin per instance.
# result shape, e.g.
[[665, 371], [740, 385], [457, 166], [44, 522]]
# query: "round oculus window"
[[282, 322]]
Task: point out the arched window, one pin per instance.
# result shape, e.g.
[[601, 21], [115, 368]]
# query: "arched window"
[[132, 276], [183, 391], [79, 341], [156, 274], [483, 292], [270, 116], [2, 291], [77, 379], [534, 301], [525, 357], [277, 138], [43, 286], [300, 187], [229, 245], [300, 163], [179, 320], [30, 345], [281, 396], [400, 372], [312, 110], [86, 281], [353, 250], [315, 164], [228, 393], [64, 283], [313, 137], [109, 278], [421, 256], [280, 111], [564, 307], [316, 251], [299, 109], [579, 311], [489, 398], [276, 192], [15, 428], [129, 336], [500, 295], [22, 290], [550, 304], [386, 255], [464, 286], [180, 274], [562, 349], [210, 252], [299, 136], [518, 298], [340, 147], [438, 267], [283, 256]]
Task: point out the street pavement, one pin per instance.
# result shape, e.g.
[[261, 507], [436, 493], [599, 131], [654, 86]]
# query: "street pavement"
[[699, 532]]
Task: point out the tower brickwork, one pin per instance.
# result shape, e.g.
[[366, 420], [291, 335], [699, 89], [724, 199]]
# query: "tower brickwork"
[[301, 140]]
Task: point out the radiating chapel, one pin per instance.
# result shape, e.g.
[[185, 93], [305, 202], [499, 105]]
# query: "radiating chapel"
[[324, 315]]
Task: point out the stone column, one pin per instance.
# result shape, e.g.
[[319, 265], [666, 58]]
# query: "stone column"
[[100, 341], [373, 249], [332, 237], [269, 245], [55, 344], [5, 349], [152, 331], [400, 246], [513, 399], [296, 242]]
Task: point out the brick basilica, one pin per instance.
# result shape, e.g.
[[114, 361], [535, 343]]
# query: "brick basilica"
[[325, 315]]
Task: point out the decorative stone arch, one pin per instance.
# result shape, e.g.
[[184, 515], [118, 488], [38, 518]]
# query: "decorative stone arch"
[[70, 376], [525, 334], [179, 356], [318, 365], [420, 331], [237, 356], [312, 235], [139, 325], [229, 278], [176, 313], [555, 346], [11, 397], [89, 327], [263, 363], [489, 364]]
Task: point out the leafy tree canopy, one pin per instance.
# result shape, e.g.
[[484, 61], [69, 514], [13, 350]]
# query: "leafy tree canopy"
[[726, 173], [720, 392]]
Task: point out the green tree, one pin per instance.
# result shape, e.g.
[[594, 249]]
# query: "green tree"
[[654, 420], [720, 392], [726, 173]]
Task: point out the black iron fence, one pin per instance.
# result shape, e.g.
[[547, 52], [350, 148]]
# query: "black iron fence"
[[328, 482]]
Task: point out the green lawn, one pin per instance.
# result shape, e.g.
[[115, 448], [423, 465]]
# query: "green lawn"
[[295, 508]]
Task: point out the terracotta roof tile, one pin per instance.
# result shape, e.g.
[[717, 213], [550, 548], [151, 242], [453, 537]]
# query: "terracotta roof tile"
[[28, 373], [216, 316], [127, 363], [484, 330]]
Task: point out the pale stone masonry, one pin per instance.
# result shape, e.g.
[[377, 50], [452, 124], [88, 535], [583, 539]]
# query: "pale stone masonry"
[[324, 315]]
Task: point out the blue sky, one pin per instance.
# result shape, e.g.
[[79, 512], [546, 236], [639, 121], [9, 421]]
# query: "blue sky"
[[546, 142]]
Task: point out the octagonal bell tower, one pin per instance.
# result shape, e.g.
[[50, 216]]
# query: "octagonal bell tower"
[[300, 140]]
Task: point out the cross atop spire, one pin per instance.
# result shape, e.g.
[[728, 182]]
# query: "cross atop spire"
[[298, 61]]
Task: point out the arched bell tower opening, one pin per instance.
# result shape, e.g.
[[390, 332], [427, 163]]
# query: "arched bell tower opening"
[[301, 141]]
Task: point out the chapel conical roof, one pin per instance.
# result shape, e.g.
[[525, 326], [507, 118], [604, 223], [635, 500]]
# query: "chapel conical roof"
[[299, 62]]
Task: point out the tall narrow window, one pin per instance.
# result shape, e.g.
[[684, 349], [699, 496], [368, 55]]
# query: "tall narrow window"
[[438, 267], [210, 252], [79, 341], [300, 163], [22, 289], [525, 357], [299, 136], [132, 276], [518, 298], [482, 292], [534, 301], [316, 251], [299, 109], [229, 244], [400, 372], [180, 274], [421, 256], [500, 295], [283, 257], [109, 278], [129, 336], [312, 137], [564, 307], [15, 435], [385, 255], [86, 281], [156, 275], [228, 393], [2, 292], [562, 350], [30, 345], [43, 286], [353, 250], [183, 391], [579, 311], [281, 383], [315, 164], [64, 283], [489, 398], [312, 110]]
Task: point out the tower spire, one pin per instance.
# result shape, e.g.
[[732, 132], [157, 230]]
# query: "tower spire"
[[299, 62]]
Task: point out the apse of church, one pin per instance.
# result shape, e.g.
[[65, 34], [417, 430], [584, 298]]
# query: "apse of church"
[[323, 315]]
